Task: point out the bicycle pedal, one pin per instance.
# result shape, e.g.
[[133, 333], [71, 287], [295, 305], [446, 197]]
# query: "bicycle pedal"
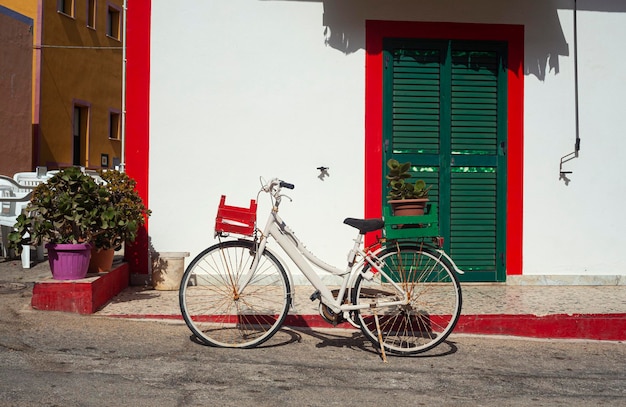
[[316, 295]]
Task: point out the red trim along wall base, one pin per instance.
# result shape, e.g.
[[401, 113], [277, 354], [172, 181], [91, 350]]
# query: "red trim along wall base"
[[375, 31]]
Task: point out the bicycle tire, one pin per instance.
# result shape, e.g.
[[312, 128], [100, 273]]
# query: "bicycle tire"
[[434, 305], [214, 309]]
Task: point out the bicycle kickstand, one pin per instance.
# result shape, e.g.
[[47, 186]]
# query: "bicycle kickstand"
[[380, 337]]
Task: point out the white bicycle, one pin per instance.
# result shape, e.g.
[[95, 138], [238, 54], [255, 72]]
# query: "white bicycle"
[[403, 295]]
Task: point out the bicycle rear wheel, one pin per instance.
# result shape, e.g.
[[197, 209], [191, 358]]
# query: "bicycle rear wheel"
[[215, 308], [434, 300]]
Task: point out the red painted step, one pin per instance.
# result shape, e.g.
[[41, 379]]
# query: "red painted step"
[[84, 296]]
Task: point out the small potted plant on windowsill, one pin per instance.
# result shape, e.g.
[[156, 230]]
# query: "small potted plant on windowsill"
[[64, 212], [120, 221], [405, 198]]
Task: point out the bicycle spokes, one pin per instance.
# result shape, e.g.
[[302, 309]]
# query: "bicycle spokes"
[[431, 307], [223, 311]]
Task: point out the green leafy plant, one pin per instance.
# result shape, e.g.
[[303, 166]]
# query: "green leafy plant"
[[65, 209], [399, 187], [125, 212]]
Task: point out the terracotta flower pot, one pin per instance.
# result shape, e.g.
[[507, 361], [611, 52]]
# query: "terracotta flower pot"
[[101, 260], [408, 207]]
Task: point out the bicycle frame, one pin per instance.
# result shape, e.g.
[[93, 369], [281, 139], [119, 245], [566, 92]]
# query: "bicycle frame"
[[303, 258]]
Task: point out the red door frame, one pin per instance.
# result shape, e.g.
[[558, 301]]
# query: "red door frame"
[[137, 143], [375, 32]]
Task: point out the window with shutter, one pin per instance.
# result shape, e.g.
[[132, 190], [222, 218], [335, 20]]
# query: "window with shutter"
[[444, 110]]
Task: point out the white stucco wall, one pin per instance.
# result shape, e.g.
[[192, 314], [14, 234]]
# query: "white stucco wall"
[[248, 88], [577, 228], [242, 89]]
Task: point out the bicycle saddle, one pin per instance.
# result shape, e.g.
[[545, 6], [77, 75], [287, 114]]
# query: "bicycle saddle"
[[365, 225]]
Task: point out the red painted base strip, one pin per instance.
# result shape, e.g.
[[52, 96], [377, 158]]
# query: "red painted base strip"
[[168, 317], [83, 296], [610, 327]]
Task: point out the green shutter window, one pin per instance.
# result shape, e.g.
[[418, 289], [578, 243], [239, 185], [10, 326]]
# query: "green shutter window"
[[445, 111]]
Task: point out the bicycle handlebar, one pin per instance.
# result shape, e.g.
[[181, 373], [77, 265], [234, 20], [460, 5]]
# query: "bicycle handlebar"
[[274, 186]]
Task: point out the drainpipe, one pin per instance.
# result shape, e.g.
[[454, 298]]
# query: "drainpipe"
[[563, 174], [123, 121]]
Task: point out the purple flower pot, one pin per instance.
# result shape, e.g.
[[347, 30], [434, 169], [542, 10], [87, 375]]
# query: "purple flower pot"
[[69, 261]]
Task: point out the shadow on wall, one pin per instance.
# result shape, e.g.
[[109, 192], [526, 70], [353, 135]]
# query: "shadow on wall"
[[344, 22]]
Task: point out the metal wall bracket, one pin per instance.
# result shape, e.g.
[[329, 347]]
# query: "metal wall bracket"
[[571, 156], [566, 158]]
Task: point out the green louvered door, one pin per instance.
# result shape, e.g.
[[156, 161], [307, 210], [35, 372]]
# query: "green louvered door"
[[445, 111]]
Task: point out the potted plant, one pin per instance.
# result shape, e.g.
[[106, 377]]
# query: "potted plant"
[[120, 221], [64, 212], [405, 198]]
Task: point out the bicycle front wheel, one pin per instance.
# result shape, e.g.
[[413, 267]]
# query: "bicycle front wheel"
[[226, 304], [432, 303]]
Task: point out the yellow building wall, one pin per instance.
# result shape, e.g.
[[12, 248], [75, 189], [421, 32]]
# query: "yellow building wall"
[[82, 66], [25, 7]]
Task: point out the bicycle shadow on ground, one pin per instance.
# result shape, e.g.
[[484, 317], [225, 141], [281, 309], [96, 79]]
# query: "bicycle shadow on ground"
[[281, 338], [352, 340], [356, 341], [340, 338]]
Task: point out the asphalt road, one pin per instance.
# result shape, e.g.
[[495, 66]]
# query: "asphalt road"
[[60, 359]]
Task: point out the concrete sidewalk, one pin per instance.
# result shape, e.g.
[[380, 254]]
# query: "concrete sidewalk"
[[542, 311], [581, 312]]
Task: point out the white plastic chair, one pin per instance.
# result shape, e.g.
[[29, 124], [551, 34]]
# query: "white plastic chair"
[[14, 198], [29, 179]]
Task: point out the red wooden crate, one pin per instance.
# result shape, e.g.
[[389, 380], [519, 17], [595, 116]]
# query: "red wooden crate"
[[233, 219]]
